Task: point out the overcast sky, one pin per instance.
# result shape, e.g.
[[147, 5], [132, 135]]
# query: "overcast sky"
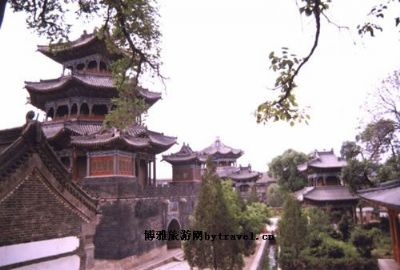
[[216, 56]]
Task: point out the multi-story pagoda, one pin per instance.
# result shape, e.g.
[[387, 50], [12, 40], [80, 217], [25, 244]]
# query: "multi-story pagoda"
[[188, 165], [76, 104], [325, 187]]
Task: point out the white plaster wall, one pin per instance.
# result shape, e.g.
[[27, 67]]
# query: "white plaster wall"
[[35, 250], [65, 263]]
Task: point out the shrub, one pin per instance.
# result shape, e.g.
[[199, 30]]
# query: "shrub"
[[354, 263], [363, 240]]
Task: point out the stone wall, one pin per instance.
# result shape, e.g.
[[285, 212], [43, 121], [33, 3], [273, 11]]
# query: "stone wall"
[[127, 210]]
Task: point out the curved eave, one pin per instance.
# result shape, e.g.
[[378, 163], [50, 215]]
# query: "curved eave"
[[388, 197], [81, 47], [149, 96], [123, 143], [227, 155], [248, 177], [380, 203], [40, 95], [326, 167], [62, 82], [174, 160], [325, 198], [330, 200]]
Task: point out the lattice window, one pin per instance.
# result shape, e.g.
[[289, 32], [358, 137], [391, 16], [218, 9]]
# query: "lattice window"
[[125, 165], [101, 165]]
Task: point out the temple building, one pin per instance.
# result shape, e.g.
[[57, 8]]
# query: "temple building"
[[387, 195], [83, 190], [76, 104], [325, 187], [188, 165]]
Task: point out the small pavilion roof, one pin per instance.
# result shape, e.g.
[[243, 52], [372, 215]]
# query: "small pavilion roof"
[[323, 160], [219, 150], [134, 137], [184, 155], [86, 44], [326, 194], [245, 174], [266, 178], [95, 85], [387, 194]]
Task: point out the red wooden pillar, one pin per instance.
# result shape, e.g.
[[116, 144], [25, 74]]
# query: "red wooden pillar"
[[74, 165], [395, 233]]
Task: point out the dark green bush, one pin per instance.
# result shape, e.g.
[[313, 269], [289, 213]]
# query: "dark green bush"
[[363, 240], [342, 263]]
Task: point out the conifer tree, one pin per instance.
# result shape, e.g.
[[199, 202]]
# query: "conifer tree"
[[292, 234], [214, 216]]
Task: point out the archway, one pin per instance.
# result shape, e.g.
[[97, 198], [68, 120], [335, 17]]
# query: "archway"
[[84, 109], [174, 226]]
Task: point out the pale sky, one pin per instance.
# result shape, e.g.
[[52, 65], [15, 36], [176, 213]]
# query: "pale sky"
[[216, 56]]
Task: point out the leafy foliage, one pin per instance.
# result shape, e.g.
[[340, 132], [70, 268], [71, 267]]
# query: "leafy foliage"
[[276, 195], [357, 174], [345, 226], [219, 210], [288, 65], [284, 169], [379, 138], [363, 240], [253, 219]]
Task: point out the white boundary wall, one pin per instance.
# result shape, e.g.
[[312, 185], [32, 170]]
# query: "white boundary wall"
[[36, 250]]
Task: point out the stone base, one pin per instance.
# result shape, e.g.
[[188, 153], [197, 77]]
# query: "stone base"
[[129, 262]]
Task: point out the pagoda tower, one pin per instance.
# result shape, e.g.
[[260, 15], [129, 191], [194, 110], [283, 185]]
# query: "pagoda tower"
[[76, 104]]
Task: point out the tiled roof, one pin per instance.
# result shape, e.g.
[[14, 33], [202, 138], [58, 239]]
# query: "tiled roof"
[[7, 136], [87, 44], [16, 156], [265, 178], [81, 41], [218, 149], [244, 173], [226, 171], [185, 154], [387, 194], [133, 137], [92, 80], [52, 129], [328, 193], [323, 159]]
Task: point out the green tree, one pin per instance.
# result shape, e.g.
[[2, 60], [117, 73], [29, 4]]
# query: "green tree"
[[284, 169], [214, 215], [130, 29], [276, 195], [253, 219], [357, 174], [253, 197], [345, 226], [379, 138], [350, 150], [292, 234]]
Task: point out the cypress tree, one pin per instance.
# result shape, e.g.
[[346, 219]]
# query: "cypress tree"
[[214, 216]]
